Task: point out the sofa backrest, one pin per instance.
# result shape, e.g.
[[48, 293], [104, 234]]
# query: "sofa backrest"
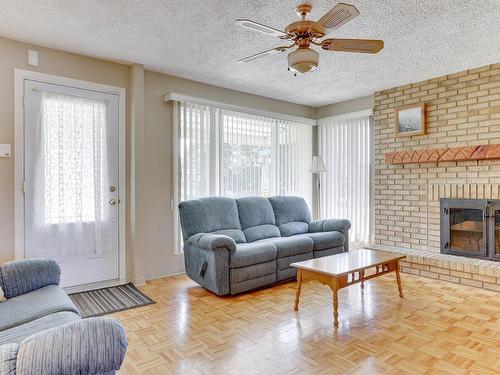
[[257, 218], [218, 215], [292, 214]]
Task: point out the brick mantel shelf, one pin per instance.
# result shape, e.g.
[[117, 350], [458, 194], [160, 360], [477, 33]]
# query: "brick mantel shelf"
[[464, 153]]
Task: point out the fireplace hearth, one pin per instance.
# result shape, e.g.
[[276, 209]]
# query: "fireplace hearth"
[[470, 228]]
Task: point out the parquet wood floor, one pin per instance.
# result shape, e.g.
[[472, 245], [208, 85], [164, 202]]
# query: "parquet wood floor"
[[438, 328]]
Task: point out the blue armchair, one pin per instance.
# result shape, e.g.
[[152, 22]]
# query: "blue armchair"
[[41, 331]]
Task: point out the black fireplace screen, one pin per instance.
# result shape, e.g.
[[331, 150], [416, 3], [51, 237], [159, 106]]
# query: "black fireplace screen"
[[470, 227]]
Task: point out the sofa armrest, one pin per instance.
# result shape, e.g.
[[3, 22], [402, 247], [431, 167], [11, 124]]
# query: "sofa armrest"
[[89, 346], [23, 276], [8, 357], [210, 241], [330, 225]]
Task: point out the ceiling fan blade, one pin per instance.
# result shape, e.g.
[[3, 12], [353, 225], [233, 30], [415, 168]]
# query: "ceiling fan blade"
[[338, 16], [353, 45], [252, 25], [260, 55]]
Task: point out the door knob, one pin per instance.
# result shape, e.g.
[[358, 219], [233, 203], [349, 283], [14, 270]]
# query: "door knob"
[[113, 202]]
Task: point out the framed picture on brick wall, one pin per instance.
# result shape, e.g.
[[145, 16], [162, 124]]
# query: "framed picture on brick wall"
[[410, 120]]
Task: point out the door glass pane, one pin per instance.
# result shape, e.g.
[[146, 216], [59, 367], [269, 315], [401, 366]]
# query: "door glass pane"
[[466, 230], [497, 233]]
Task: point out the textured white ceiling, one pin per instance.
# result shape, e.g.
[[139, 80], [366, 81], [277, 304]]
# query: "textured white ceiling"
[[197, 39]]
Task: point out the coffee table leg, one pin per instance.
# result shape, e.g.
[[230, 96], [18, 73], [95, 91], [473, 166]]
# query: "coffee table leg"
[[299, 287], [398, 279], [362, 275], [335, 307]]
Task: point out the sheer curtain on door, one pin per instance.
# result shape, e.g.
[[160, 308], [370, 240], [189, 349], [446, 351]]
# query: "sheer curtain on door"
[[70, 172], [347, 148]]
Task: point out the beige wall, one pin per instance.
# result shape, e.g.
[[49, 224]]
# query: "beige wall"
[[463, 109], [342, 108], [151, 154]]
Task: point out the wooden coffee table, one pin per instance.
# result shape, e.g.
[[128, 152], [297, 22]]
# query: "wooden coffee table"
[[341, 270]]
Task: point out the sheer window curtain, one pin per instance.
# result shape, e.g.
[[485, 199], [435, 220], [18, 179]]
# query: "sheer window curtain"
[[346, 192], [70, 171]]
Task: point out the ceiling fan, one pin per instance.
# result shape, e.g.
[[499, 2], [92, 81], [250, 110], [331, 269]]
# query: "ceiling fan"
[[304, 33]]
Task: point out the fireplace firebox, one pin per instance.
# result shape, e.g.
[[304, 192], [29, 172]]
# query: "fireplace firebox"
[[470, 227]]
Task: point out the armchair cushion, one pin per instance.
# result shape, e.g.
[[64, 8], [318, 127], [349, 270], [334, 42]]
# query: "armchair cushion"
[[30, 306], [89, 346], [8, 356], [23, 276], [19, 333], [211, 241], [330, 225]]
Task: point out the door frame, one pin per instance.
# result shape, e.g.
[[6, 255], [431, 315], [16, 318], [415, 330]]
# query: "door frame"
[[20, 75]]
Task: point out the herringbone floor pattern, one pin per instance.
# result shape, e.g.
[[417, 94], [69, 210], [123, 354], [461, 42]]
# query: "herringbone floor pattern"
[[438, 328]]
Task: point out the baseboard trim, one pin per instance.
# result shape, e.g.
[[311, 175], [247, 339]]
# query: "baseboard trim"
[[173, 272], [140, 281]]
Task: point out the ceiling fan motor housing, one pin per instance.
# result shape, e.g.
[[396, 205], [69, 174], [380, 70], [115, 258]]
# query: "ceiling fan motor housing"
[[303, 60]]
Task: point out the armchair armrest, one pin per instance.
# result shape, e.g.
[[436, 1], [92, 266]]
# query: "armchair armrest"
[[212, 241], [8, 356], [89, 346], [330, 225], [23, 276]]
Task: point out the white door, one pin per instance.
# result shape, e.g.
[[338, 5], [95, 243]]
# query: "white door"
[[71, 174]]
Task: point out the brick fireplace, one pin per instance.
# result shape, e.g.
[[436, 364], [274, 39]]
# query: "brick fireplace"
[[463, 109]]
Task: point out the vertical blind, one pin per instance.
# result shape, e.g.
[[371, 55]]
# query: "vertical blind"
[[346, 147], [235, 154], [194, 151]]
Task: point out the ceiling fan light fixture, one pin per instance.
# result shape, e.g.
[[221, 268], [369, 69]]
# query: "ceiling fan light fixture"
[[303, 60]]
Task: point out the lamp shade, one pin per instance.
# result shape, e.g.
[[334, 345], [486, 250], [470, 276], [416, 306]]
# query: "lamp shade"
[[318, 165]]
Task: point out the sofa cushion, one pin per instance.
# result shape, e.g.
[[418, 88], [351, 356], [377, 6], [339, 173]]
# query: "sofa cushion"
[[325, 240], [292, 214], [288, 246], [329, 251], [211, 215], [261, 231], [255, 211], [20, 332], [295, 227], [257, 218], [248, 254], [33, 305]]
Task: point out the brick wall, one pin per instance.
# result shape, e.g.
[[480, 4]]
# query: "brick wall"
[[462, 109]]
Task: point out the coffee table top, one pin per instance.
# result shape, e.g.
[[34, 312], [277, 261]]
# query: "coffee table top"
[[345, 263]]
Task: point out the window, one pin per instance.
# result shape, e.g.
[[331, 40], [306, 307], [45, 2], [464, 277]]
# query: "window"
[[247, 150], [235, 154], [346, 146]]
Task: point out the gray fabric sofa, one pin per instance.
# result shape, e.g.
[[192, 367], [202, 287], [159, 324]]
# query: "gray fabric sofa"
[[41, 331], [235, 245]]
